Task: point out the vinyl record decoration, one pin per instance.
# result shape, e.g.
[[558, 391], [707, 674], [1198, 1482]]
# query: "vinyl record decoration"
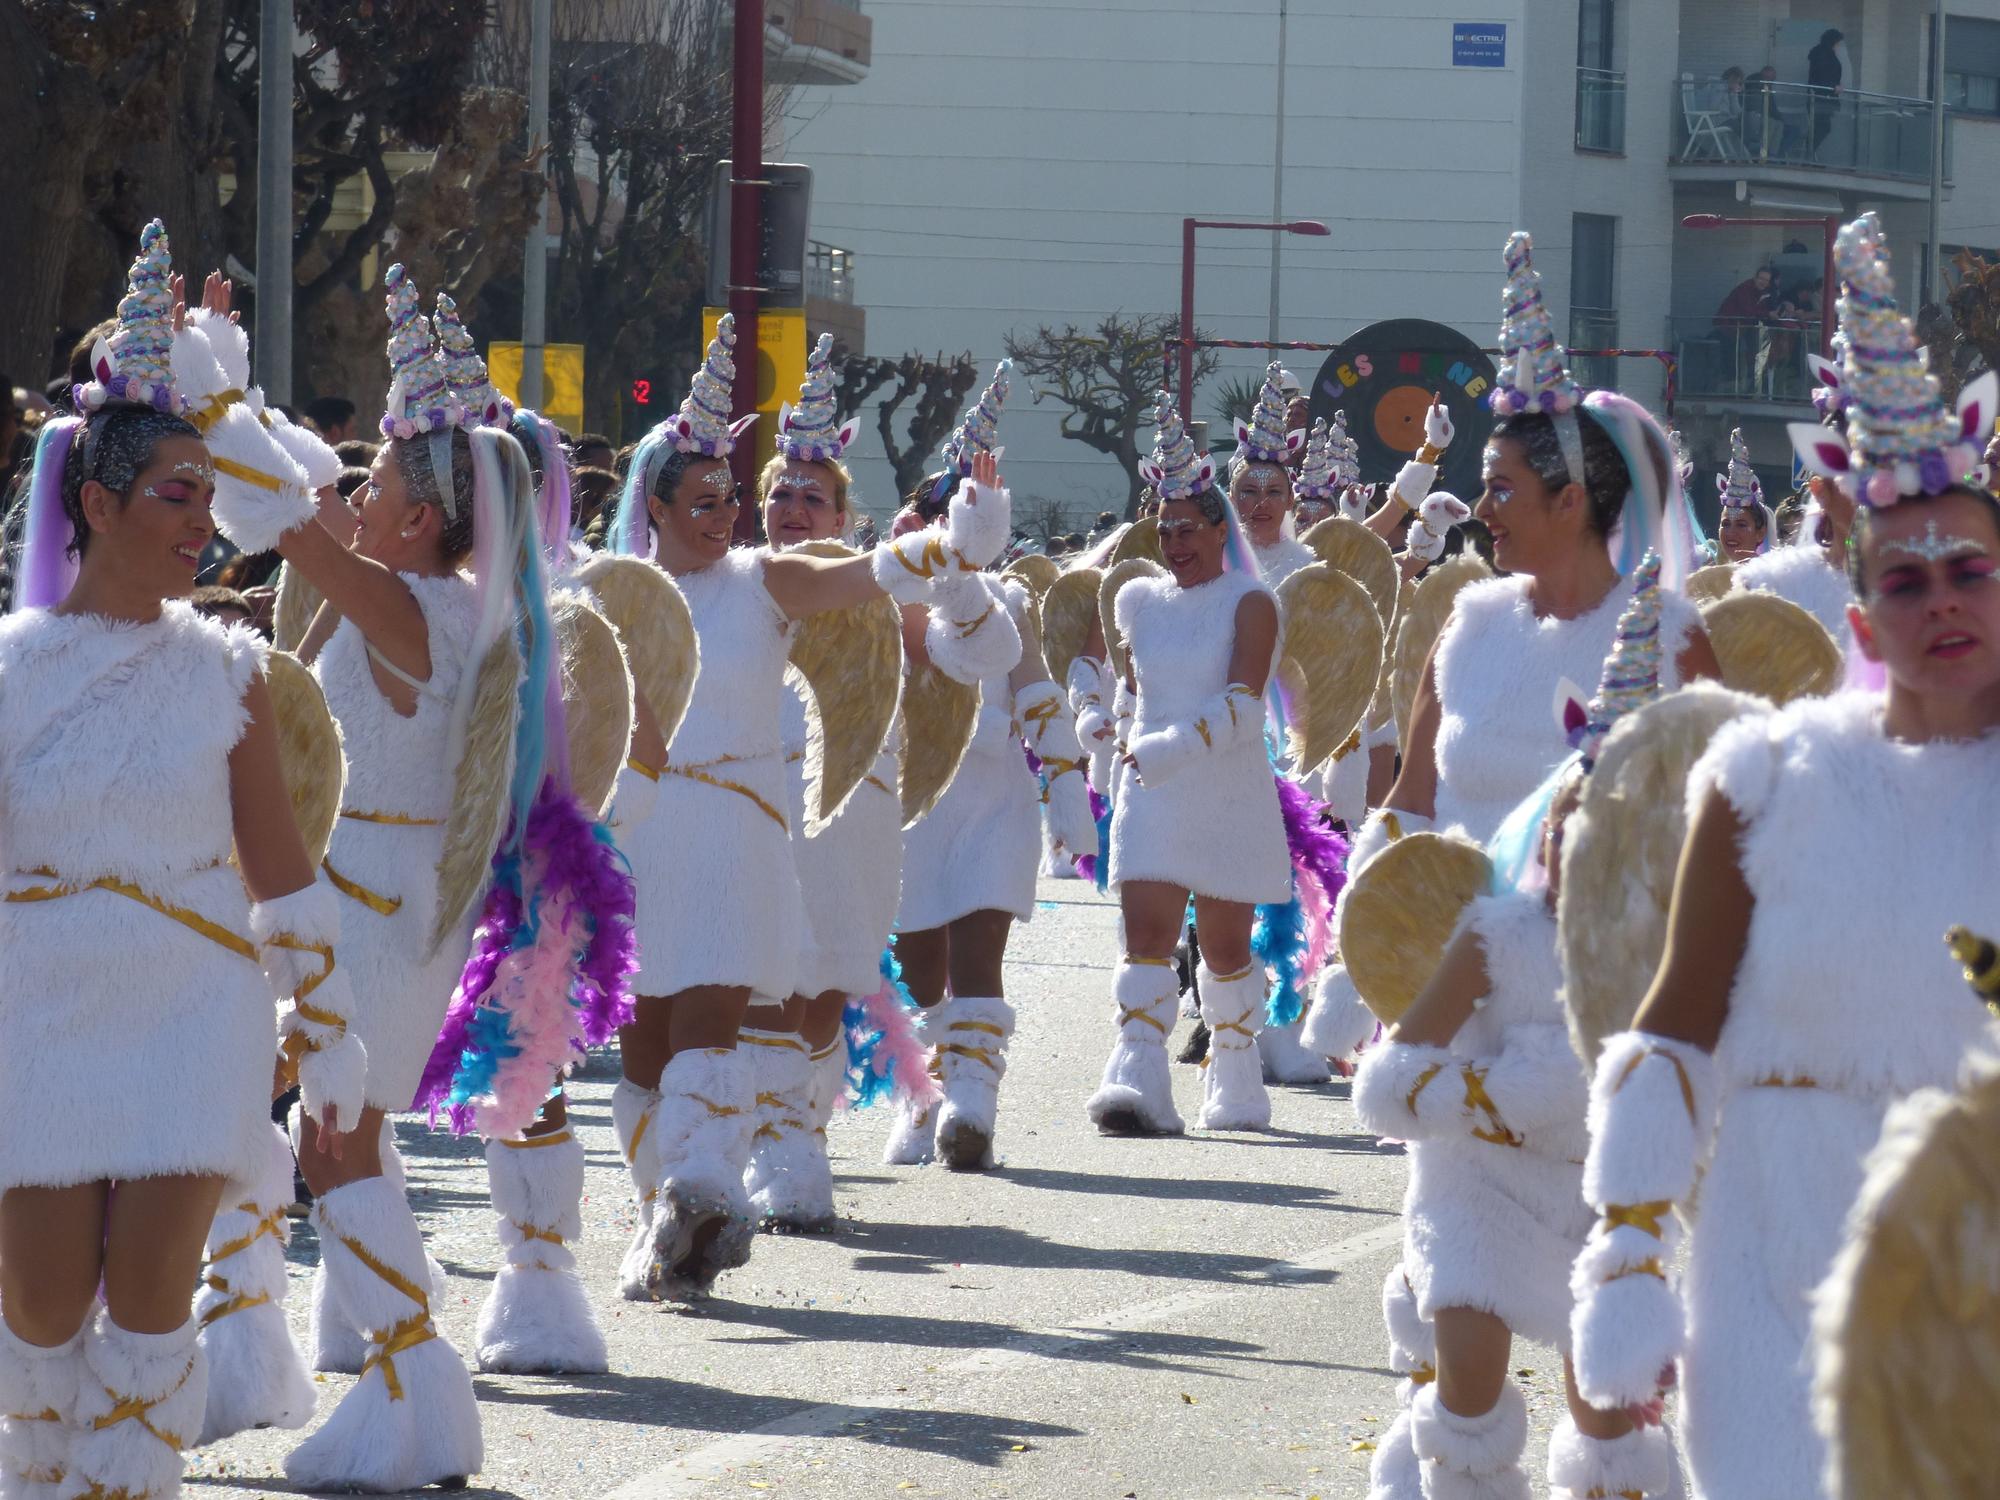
[[1384, 376]]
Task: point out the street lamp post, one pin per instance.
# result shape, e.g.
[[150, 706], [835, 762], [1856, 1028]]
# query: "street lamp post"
[[1828, 226], [1188, 227]]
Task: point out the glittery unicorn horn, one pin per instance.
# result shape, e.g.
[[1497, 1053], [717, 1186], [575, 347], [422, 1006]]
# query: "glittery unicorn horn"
[[1263, 439], [1631, 676], [1738, 485], [807, 433], [980, 431], [419, 396], [1901, 439], [464, 371], [1317, 478], [135, 363], [1175, 469], [1355, 497], [1534, 370], [702, 425]]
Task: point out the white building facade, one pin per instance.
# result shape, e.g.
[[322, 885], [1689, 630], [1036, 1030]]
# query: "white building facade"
[[1012, 163]]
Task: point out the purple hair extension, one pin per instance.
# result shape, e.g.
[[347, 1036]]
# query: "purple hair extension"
[[47, 570]]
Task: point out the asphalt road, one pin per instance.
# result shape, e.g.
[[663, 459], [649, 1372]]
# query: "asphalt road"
[[1193, 1319]]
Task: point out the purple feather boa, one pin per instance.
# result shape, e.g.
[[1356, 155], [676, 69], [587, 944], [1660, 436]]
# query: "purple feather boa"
[[564, 852], [1315, 847]]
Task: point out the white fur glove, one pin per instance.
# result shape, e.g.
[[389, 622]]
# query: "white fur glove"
[[1652, 1112], [978, 522], [1438, 431], [1404, 1091], [1089, 699], [260, 492], [1413, 482], [1383, 827], [919, 567], [971, 634], [295, 937], [1229, 719], [1042, 711], [633, 802]]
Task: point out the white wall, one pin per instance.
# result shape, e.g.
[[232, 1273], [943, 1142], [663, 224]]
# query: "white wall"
[[1013, 162]]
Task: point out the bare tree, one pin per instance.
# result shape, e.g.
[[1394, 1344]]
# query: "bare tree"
[[1107, 378], [940, 386]]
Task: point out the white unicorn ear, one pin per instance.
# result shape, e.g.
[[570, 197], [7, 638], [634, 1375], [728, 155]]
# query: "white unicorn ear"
[[1825, 371], [1150, 472], [785, 410], [1242, 433], [100, 361], [1819, 449], [1205, 470], [849, 430], [1978, 404], [1572, 707], [742, 424], [1295, 440]]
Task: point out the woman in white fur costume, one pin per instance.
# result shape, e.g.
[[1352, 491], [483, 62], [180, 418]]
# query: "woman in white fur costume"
[[1196, 810], [1804, 989], [1480, 1078], [138, 753], [850, 871], [969, 864], [707, 831]]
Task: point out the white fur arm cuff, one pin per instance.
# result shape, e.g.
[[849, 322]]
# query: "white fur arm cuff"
[[1413, 482], [1044, 716], [1089, 692], [978, 522], [1404, 1091], [638, 790], [295, 937], [1535, 1080], [1383, 827], [971, 634], [921, 567], [1232, 718]]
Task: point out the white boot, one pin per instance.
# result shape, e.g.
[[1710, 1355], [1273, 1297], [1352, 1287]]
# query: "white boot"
[[1232, 1079], [1471, 1458], [1637, 1466], [972, 1059], [395, 1172], [1338, 1025], [702, 1223], [536, 1320], [139, 1402], [634, 1113], [1287, 1060], [1136, 1096], [913, 1133], [829, 1081], [256, 1377], [338, 1344], [788, 1179], [410, 1420], [1396, 1473], [37, 1414]]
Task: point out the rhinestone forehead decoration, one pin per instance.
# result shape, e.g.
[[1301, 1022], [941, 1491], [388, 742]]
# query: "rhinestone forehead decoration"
[[1933, 546]]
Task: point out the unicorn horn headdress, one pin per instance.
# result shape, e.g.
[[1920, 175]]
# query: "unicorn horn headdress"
[[980, 431], [1175, 469], [1739, 486], [1317, 477], [1534, 369], [702, 425], [1901, 438], [1263, 439], [464, 371], [135, 363], [419, 395], [1631, 677], [811, 432]]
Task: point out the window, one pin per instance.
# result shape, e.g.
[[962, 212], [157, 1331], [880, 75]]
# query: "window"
[[1593, 297], [1972, 65], [1600, 88], [1596, 33]]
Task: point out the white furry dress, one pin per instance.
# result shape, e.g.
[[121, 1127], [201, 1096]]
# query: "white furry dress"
[[1859, 851], [850, 872], [1802, 575], [1487, 1224], [1215, 829], [718, 888], [390, 833], [1498, 668], [1282, 559], [130, 1045], [978, 849]]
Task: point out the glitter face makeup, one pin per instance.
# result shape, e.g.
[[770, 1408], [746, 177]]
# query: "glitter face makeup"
[[720, 479], [1932, 546]]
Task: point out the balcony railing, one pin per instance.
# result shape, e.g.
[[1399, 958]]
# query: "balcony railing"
[[1746, 359], [1793, 125], [829, 272], [1600, 110], [1591, 328]]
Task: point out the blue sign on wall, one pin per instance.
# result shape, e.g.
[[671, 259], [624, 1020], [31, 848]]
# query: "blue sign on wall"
[[1479, 44]]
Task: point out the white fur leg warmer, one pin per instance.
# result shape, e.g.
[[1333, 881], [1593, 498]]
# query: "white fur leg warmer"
[[788, 1178], [536, 1320], [1637, 1466], [1232, 1094], [411, 1419], [395, 1172], [634, 1113], [829, 1080], [1338, 1025], [38, 1388], [913, 1133], [256, 1377], [1396, 1473], [1652, 1108], [972, 1059], [1412, 1341], [702, 1223], [139, 1402], [1286, 1057], [1471, 1458], [1136, 1096], [296, 937]]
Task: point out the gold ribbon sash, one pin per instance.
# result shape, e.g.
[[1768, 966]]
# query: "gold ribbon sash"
[[193, 921], [701, 773]]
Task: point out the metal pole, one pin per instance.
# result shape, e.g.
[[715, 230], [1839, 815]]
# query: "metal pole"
[[1186, 382], [1278, 176], [746, 237], [535, 250], [1933, 258], [274, 202]]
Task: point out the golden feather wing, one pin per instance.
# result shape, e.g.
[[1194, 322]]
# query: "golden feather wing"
[[851, 660], [1705, 585], [1141, 539], [1771, 647], [1351, 548], [1400, 912], [653, 624], [1419, 625], [309, 749], [292, 616], [478, 816], [597, 700], [1115, 578], [1036, 570], [1333, 650], [1069, 609], [939, 714]]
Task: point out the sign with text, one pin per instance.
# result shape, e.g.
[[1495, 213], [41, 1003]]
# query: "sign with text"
[[1385, 378], [1479, 44]]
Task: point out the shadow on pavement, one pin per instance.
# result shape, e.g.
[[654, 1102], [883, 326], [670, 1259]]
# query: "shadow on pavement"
[[928, 1249]]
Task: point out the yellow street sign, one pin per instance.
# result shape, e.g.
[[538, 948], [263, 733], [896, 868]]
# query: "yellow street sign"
[[562, 380], [781, 366]]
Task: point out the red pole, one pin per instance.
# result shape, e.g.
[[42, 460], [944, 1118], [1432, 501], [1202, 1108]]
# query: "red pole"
[[745, 239], [1187, 322], [1827, 287]]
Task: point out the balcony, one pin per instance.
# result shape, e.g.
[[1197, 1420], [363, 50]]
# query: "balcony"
[[830, 300], [1791, 134], [1757, 368], [816, 42], [1593, 328], [1600, 111]]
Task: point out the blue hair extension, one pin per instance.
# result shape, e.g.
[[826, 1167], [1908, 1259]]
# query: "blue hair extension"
[[1278, 943], [629, 526], [1516, 846]]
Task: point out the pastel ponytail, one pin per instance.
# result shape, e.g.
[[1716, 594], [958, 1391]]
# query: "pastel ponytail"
[[48, 571]]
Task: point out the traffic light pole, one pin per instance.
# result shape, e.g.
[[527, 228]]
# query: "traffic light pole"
[[745, 236]]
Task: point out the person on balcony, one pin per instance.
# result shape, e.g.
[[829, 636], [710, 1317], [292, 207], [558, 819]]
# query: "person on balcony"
[[1740, 321], [1826, 67]]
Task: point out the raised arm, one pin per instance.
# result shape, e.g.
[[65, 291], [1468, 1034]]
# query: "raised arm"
[[362, 590]]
